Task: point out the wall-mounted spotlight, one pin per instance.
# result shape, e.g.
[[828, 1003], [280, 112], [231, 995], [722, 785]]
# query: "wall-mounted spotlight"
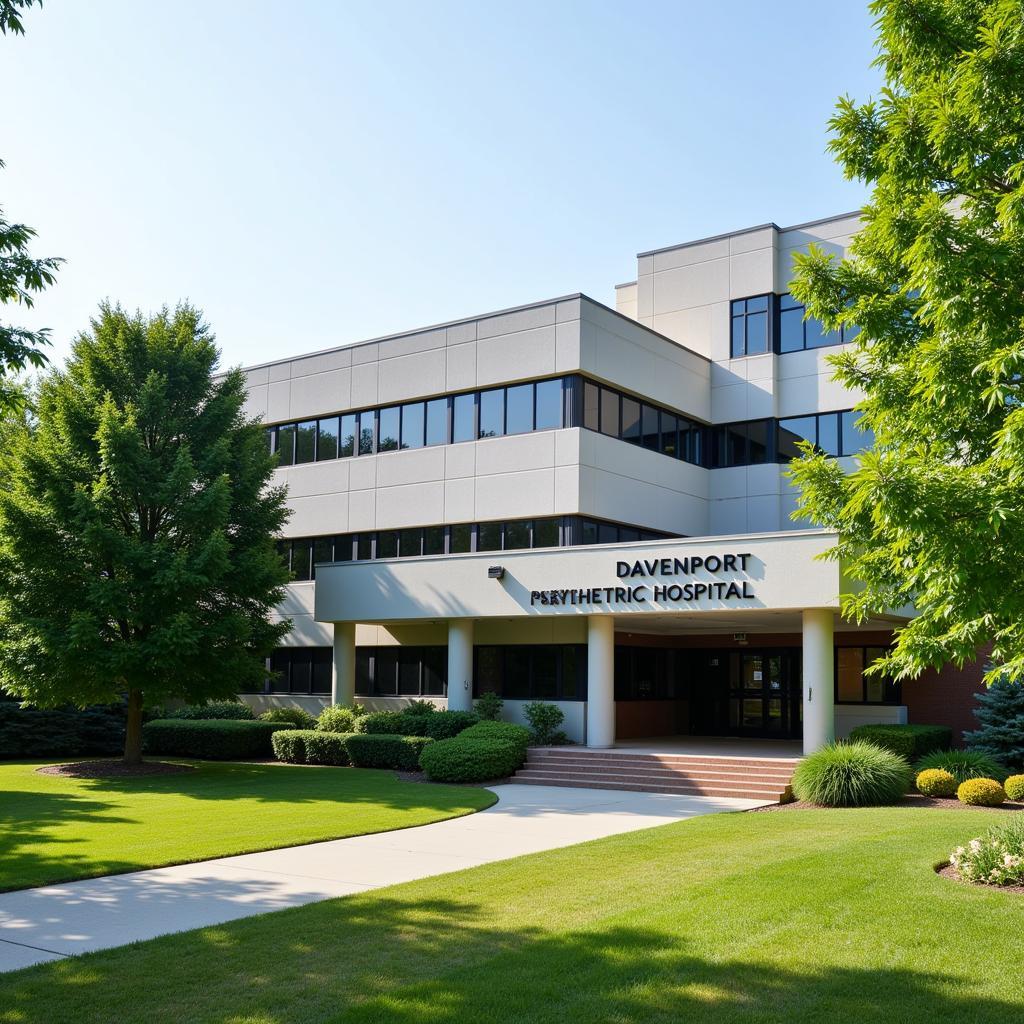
[[496, 572]]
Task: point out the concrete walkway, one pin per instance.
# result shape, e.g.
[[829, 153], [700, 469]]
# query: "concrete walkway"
[[56, 921]]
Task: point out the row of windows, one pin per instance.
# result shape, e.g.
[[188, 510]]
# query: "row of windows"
[[517, 409], [302, 554], [545, 672], [775, 323], [759, 441]]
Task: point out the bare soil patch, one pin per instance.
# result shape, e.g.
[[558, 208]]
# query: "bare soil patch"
[[113, 769]]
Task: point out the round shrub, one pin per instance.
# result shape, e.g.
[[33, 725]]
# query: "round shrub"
[[218, 709], [936, 782], [386, 722], [963, 764], [327, 747], [290, 745], [508, 732], [1014, 787], [545, 719], [488, 706], [851, 775], [336, 718], [470, 760], [289, 716], [981, 792], [443, 725]]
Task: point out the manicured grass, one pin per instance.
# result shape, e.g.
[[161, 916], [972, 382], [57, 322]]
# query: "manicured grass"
[[54, 829], [809, 916]]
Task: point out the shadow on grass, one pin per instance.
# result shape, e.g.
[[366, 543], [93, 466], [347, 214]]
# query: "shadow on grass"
[[437, 961]]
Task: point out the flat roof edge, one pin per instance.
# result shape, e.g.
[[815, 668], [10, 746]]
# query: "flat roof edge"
[[745, 231]]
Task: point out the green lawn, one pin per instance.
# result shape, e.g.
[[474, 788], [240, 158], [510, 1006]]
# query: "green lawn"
[[803, 916], [54, 829]]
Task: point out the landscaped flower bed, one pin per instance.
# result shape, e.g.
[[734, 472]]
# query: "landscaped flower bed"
[[996, 858]]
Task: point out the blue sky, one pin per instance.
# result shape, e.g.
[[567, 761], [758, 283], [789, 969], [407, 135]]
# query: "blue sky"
[[316, 173]]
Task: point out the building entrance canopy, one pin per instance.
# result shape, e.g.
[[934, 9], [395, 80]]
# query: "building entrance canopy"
[[718, 574]]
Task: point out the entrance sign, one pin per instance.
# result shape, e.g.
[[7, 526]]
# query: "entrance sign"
[[660, 592]]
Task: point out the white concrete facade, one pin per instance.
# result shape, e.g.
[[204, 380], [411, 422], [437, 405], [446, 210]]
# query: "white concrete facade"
[[667, 347]]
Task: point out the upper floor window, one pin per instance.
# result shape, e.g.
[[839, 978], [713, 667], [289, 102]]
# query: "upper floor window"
[[832, 433], [750, 326], [796, 333]]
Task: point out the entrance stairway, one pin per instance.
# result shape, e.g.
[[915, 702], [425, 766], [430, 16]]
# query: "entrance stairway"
[[687, 774]]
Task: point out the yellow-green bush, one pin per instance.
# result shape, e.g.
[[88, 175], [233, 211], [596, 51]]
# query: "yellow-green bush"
[[1014, 787], [983, 792], [936, 782]]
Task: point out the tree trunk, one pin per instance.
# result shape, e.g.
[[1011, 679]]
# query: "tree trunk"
[[133, 730]]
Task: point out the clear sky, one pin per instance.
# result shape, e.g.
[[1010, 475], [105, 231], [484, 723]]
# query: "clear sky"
[[317, 172]]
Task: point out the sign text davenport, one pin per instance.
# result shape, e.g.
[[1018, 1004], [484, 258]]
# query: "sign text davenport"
[[659, 587]]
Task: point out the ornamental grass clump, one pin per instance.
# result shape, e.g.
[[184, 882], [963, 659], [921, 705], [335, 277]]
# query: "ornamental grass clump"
[[981, 793], [936, 782], [996, 858], [851, 775], [963, 764]]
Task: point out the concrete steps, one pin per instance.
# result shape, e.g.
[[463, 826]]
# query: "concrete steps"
[[750, 778]]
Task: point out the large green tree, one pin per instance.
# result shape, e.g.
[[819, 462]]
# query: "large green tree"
[[21, 274], [935, 279], [137, 525]]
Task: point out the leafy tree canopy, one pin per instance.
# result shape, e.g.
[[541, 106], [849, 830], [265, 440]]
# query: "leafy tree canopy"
[[935, 513], [137, 525]]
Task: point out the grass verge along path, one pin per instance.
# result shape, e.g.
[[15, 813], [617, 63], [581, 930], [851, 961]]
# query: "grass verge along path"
[[809, 916], [54, 829]]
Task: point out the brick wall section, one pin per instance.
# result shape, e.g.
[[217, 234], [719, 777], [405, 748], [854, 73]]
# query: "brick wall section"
[[946, 697]]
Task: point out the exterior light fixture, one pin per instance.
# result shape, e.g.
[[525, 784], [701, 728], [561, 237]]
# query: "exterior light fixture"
[[496, 572]]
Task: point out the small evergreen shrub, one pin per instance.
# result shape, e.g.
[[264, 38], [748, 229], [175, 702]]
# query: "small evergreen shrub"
[[388, 722], [544, 721], [508, 732], [936, 782], [214, 739], [963, 764], [419, 707], [295, 717], [337, 718], [981, 792], [443, 725], [1000, 716], [381, 750], [471, 760], [216, 709], [997, 858], [909, 741], [1014, 787], [327, 747], [851, 775], [488, 706], [289, 745]]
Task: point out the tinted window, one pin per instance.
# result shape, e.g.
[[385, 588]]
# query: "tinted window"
[[757, 439], [519, 409], [669, 434], [410, 543], [437, 421], [327, 439], [549, 405], [791, 431], [385, 681], [757, 333], [488, 537], [364, 546], [650, 428], [791, 324], [433, 540], [463, 418], [854, 439], [408, 671], [305, 441], [545, 533], [607, 533], [412, 425], [302, 553], [461, 537], [323, 551], [737, 345], [591, 405], [828, 433], [588, 532], [388, 429], [630, 420], [387, 544], [343, 547], [348, 434], [366, 433], [492, 413], [517, 535], [609, 412], [435, 671], [286, 445]]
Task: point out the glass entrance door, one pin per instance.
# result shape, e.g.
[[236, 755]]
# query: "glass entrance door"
[[764, 694]]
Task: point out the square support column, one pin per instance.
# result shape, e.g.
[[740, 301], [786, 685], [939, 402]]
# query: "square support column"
[[600, 681], [460, 664], [343, 666], [819, 679]]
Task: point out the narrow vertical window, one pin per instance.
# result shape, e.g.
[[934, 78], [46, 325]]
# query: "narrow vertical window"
[[549, 405]]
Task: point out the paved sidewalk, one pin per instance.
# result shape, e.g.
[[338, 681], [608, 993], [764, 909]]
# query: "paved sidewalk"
[[50, 923]]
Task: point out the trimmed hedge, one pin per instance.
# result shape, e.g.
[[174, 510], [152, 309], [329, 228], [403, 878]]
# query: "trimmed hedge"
[[216, 709], [295, 717], [508, 732], [438, 725], [909, 741], [471, 760], [63, 732], [289, 745], [981, 792], [387, 722], [223, 739], [337, 718], [383, 750], [328, 748]]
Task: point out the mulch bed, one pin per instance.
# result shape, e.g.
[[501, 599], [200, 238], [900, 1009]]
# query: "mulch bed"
[[910, 800], [950, 872], [113, 769]]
